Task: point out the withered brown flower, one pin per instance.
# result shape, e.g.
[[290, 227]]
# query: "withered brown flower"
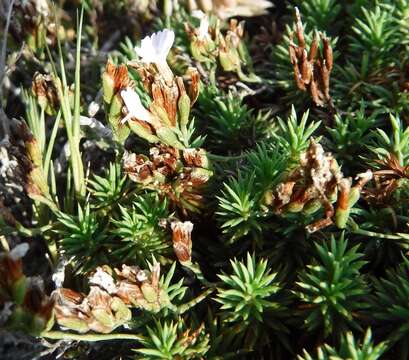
[[312, 69], [44, 90], [182, 240], [317, 183], [386, 181], [179, 175]]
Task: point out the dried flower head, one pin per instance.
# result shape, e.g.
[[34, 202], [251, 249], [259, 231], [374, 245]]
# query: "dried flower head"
[[180, 178], [182, 239], [318, 183], [229, 8], [45, 91], [311, 70], [388, 178]]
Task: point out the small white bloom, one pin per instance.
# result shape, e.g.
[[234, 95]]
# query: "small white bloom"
[[203, 33], [134, 105], [104, 280], [141, 276], [155, 48]]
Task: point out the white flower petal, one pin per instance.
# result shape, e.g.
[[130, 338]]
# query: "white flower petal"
[[104, 280], [155, 48], [134, 105], [203, 28]]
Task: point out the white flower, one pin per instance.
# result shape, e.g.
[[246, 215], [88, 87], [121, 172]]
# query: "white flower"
[[203, 32], [104, 280], [155, 48], [134, 106]]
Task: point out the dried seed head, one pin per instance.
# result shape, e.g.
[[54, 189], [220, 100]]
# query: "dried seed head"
[[44, 90], [182, 239], [311, 70], [138, 167]]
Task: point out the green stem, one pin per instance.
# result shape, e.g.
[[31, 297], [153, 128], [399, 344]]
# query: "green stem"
[[185, 307], [212, 77], [167, 10], [354, 228], [50, 146], [33, 231], [225, 158], [61, 335], [251, 78]]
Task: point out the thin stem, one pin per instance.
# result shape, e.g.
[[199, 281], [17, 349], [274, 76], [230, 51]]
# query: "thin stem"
[[376, 234], [225, 158], [50, 146], [61, 335], [185, 307], [22, 230]]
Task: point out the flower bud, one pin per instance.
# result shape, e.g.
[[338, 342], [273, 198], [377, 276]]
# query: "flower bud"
[[120, 132], [34, 152], [194, 87], [37, 184], [226, 61], [343, 209]]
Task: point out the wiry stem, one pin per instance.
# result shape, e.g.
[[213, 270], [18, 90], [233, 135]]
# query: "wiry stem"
[[61, 335], [185, 307]]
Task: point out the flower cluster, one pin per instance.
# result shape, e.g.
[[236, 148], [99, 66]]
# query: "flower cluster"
[[229, 8], [311, 70], [166, 118], [209, 45], [106, 306], [317, 183], [179, 175], [33, 24]]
